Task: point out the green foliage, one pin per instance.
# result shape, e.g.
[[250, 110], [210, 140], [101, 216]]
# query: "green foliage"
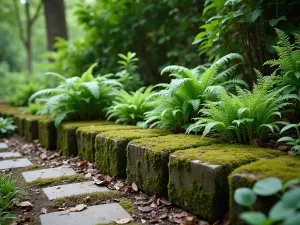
[[245, 117], [180, 100], [6, 126], [84, 97], [283, 212], [130, 108], [8, 193], [128, 76], [36, 108], [143, 27], [294, 142]]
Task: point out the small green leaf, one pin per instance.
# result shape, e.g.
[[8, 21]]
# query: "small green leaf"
[[291, 182], [291, 198], [253, 15], [273, 22], [268, 186], [285, 139], [244, 196], [292, 220], [253, 218], [279, 211]]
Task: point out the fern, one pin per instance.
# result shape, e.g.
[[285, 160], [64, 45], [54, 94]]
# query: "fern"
[[180, 100]]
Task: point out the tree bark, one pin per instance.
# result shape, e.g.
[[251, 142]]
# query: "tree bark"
[[28, 38], [55, 21]]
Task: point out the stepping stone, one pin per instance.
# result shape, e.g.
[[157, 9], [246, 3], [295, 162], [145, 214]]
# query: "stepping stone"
[[3, 146], [14, 163], [72, 189], [9, 154], [106, 213], [47, 173]]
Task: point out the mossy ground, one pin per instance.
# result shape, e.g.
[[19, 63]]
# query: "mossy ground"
[[88, 199], [111, 149], [47, 133], [147, 159], [213, 203], [44, 182], [127, 205], [34, 166]]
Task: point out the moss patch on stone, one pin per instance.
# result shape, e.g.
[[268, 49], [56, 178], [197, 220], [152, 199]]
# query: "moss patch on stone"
[[31, 126], [207, 168], [86, 138], [111, 149], [47, 133], [147, 159], [7, 110], [285, 168], [66, 135], [19, 122], [35, 166], [127, 205], [88, 199], [45, 182]]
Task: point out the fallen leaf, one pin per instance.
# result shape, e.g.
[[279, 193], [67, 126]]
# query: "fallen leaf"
[[101, 182], [163, 217], [203, 222], [123, 221], [24, 204], [83, 164], [165, 202], [78, 208], [143, 221], [180, 215], [43, 156], [145, 209], [54, 155], [189, 220], [44, 210], [134, 187]]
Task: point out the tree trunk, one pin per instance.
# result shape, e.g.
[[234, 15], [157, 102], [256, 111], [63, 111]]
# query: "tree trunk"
[[55, 21], [28, 39]]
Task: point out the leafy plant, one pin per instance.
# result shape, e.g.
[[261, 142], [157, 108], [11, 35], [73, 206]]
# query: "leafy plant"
[[6, 126], [245, 117], [84, 97], [294, 142], [8, 193], [128, 76], [283, 212], [130, 108], [36, 108], [180, 100]]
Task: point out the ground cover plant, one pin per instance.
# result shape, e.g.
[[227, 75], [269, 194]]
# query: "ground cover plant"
[[180, 100], [6, 126], [293, 142], [84, 97]]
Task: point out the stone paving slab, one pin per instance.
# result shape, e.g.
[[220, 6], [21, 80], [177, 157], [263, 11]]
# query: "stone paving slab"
[[72, 189], [3, 146], [47, 173], [9, 154], [106, 213], [14, 163]]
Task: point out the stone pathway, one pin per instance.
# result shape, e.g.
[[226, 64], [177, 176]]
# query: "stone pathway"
[[3, 146], [98, 214], [4, 155]]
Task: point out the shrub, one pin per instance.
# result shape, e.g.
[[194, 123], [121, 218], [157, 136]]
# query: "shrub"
[[180, 100], [244, 117], [6, 126], [284, 212], [130, 108], [84, 97]]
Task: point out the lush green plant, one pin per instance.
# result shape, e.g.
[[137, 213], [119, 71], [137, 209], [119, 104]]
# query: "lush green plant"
[[8, 193], [245, 117], [36, 108], [283, 212], [6, 126], [130, 108], [180, 100], [84, 97], [128, 75], [294, 142]]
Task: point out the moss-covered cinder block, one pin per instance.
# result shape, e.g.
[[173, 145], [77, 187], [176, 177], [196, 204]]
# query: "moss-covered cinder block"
[[111, 149], [86, 138], [31, 130], [9, 111], [285, 168], [198, 178], [147, 159], [66, 135], [47, 133], [19, 122]]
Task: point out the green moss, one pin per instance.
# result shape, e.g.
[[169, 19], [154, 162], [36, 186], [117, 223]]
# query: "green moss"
[[88, 199], [47, 133], [7, 110], [153, 155], [111, 149], [86, 138], [66, 135], [31, 167], [44, 182], [19, 121], [31, 126], [127, 205], [116, 223]]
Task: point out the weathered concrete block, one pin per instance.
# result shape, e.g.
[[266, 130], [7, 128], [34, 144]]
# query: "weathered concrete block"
[[285, 168], [47, 133], [111, 149], [86, 138], [31, 130], [3, 146], [4, 155], [148, 158], [198, 178], [47, 173], [66, 135], [19, 121], [9, 111], [14, 163]]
